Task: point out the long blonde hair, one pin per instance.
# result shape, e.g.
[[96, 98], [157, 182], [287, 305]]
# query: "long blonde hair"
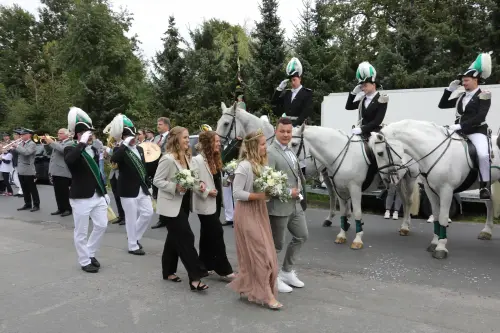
[[250, 151], [173, 144]]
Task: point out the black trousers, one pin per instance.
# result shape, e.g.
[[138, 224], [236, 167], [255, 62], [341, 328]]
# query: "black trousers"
[[114, 188], [30, 191], [212, 246], [6, 182], [61, 190], [180, 243]]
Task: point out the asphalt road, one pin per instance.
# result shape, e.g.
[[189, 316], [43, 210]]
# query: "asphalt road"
[[392, 285]]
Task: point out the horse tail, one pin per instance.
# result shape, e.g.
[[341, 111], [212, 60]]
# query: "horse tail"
[[495, 198], [415, 196]]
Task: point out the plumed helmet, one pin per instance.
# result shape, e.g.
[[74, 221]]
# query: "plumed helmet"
[[294, 68], [480, 68], [79, 121], [366, 73]]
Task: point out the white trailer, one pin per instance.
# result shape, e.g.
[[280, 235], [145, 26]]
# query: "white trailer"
[[419, 104]]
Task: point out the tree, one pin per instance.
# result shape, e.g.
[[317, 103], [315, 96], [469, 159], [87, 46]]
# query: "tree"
[[268, 56]]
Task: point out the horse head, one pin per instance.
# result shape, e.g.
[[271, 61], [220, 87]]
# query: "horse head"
[[229, 125], [389, 154]]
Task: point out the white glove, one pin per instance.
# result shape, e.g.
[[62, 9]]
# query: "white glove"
[[455, 127], [85, 137], [356, 90], [356, 130], [108, 201], [454, 85], [127, 140], [282, 84]]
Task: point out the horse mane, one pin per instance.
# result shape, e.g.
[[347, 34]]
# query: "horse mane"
[[403, 126]]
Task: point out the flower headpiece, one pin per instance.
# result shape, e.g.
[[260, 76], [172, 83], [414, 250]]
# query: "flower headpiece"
[[205, 128], [258, 134]]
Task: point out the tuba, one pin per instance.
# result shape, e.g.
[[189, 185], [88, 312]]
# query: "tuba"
[[111, 142]]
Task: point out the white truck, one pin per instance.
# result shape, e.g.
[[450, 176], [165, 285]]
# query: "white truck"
[[419, 104]]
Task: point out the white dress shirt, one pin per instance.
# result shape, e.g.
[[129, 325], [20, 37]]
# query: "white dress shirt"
[[295, 91], [368, 99], [468, 96]]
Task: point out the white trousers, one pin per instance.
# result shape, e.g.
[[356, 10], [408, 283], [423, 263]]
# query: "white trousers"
[[97, 209], [227, 194], [138, 213], [15, 177], [480, 141]]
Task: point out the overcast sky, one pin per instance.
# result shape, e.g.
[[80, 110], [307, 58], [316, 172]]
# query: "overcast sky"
[[151, 16]]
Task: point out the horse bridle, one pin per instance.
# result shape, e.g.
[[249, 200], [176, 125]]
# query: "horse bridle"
[[227, 137]]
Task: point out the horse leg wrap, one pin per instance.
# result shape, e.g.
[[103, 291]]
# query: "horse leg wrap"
[[437, 228], [344, 224], [359, 226], [442, 232]]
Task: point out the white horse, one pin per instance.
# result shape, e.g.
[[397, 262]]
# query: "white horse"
[[235, 122], [351, 167], [445, 163]]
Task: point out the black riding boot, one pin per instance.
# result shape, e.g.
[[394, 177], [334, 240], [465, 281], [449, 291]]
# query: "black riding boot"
[[484, 192]]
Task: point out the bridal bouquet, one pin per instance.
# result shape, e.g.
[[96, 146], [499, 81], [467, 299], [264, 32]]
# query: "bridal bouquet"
[[230, 168], [274, 183], [186, 178]]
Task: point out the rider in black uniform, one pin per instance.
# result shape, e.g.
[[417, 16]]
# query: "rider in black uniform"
[[372, 106]]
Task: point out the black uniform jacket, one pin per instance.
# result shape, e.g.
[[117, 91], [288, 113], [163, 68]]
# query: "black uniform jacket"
[[473, 118], [301, 106], [83, 182], [373, 115], [129, 181]]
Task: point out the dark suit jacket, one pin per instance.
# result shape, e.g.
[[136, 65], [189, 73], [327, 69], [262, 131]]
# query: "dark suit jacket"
[[301, 106], [473, 118], [129, 181], [83, 183], [372, 116]]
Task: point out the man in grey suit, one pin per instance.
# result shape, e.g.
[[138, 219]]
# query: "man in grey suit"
[[26, 169], [163, 127], [61, 176], [287, 215]]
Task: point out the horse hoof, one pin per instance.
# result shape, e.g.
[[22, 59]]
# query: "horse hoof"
[[356, 246], [404, 232], [340, 240], [440, 254], [431, 248], [484, 236], [327, 223]]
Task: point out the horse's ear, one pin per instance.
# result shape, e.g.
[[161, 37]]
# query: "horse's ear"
[[380, 137], [223, 106], [302, 127], [235, 107]]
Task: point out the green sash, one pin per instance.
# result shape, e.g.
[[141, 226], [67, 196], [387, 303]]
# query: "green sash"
[[94, 168], [139, 166]]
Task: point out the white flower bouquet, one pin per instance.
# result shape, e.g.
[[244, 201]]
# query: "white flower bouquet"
[[274, 183], [230, 168], [187, 178]]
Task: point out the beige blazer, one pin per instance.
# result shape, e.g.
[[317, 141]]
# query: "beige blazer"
[[203, 203], [169, 199]]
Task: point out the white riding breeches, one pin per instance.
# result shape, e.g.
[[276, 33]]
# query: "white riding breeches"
[[138, 213], [480, 141], [97, 209]]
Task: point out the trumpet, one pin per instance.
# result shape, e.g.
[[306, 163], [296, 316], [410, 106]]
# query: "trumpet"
[[41, 138], [111, 144], [6, 147]]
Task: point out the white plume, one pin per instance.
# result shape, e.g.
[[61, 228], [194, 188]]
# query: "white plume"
[[76, 115], [365, 69], [116, 127], [294, 65], [264, 118]]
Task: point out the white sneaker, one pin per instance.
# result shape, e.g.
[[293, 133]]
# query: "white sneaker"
[[431, 219], [395, 215], [283, 287], [291, 279], [387, 214]]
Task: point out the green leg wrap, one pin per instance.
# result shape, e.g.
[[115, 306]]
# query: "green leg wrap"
[[359, 226], [437, 227], [344, 224], [442, 232]]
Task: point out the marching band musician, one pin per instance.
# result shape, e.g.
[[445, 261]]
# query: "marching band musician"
[[471, 110], [297, 102], [26, 151], [372, 106], [163, 127], [133, 183], [61, 177], [114, 174], [88, 196], [15, 157]]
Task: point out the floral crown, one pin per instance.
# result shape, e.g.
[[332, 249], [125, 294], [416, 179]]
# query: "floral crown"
[[258, 134]]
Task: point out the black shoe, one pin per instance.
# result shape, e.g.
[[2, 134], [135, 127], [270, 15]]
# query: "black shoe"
[[35, 208], [484, 194], [228, 223], [159, 225], [122, 221], [90, 268], [175, 279], [93, 261], [200, 287], [18, 195], [138, 252], [66, 213], [140, 245], [57, 212], [25, 207]]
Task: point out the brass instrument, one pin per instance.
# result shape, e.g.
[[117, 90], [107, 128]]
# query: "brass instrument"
[[152, 151], [37, 139], [111, 144], [6, 147]]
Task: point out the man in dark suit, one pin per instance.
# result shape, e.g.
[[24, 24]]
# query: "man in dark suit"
[[472, 108], [133, 184], [295, 103], [163, 127], [88, 196]]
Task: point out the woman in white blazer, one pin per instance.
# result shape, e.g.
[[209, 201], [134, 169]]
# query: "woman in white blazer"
[[208, 205], [173, 206]]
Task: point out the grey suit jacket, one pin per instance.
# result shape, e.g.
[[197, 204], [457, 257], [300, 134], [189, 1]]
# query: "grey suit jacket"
[[57, 166], [279, 161], [26, 159], [202, 203], [163, 145]]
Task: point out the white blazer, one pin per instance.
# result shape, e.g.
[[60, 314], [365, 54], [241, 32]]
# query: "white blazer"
[[169, 199], [203, 203]]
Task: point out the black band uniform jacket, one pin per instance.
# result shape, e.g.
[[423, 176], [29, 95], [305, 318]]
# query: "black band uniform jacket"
[[129, 181], [371, 116], [301, 106]]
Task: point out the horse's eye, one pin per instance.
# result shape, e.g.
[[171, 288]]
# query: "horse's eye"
[[226, 123], [380, 153], [294, 144]]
